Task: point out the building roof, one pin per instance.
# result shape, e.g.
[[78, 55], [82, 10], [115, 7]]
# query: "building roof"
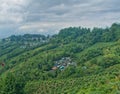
[[54, 68]]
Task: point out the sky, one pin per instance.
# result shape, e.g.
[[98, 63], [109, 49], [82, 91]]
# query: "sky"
[[49, 16]]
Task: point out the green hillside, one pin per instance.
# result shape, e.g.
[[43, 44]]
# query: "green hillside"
[[75, 61]]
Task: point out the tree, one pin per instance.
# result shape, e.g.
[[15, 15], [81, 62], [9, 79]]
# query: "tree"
[[12, 85]]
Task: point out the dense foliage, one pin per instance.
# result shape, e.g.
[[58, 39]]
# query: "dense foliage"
[[27, 61]]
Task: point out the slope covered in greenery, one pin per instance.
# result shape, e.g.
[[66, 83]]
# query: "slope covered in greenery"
[[27, 62]]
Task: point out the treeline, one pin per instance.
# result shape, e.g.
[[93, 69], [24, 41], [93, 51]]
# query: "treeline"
[[86, 35]]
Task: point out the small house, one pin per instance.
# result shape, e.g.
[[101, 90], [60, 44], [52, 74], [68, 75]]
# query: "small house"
[[62, 68], [54, 68]]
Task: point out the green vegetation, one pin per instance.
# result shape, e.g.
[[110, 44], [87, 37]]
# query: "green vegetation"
[[27, 62]]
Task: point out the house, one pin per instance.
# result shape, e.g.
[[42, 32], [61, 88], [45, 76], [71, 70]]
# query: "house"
[[54, 68], [62, 68]]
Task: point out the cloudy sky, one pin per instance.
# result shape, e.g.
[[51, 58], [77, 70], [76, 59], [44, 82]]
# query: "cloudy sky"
[[49, 16]]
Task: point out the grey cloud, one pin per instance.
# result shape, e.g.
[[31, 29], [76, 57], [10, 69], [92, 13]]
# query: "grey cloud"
[[49, 16]]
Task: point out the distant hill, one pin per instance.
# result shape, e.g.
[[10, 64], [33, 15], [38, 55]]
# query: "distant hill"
[[25, 37], [75, 61]]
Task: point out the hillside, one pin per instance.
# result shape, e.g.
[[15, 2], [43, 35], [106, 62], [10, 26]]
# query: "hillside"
[[75, 61]]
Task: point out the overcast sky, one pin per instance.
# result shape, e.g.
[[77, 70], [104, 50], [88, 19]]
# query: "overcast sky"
[[49, 16]]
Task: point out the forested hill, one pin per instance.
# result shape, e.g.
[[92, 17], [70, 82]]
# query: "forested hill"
[[75, 61]]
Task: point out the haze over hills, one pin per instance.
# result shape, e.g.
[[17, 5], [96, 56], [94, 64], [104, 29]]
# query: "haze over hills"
[[75, 61]]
